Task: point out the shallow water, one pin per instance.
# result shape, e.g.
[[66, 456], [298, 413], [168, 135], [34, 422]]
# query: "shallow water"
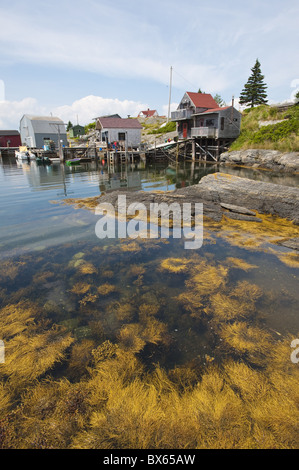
[[177, 303], [32, 224]]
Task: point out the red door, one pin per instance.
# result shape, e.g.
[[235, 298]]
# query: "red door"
[[185, 130]]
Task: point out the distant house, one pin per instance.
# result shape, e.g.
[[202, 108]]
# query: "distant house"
[[148, 113], [123, 132], [199, 115], [111, 116], [76, 131], [37, 131], [10, 139]]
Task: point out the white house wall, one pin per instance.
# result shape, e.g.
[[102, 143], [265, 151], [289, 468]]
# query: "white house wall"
[[133, 136]]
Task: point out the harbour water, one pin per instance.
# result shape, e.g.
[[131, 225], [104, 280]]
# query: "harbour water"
[[233, 301]]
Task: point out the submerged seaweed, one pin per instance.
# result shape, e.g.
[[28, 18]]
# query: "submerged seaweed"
[[144, 347]]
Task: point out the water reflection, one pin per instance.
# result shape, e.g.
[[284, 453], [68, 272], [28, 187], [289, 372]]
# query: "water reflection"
[[94, 177]]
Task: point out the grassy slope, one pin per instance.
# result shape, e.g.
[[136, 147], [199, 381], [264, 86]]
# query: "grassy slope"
[[282, 136]]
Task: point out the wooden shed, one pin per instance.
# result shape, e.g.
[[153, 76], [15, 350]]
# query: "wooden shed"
[[76, 131], [10, 138], [38, 130], [122, 133]]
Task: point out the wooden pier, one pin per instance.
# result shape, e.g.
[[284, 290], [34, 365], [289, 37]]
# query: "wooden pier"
[[86, 154], [195, 149], [8, 151]]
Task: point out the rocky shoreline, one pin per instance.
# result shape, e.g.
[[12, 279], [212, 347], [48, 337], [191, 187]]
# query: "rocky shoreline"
[[220, 193], [262, 159], [223, 195]]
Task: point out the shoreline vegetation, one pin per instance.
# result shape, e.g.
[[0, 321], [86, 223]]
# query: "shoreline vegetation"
[[269, 128]]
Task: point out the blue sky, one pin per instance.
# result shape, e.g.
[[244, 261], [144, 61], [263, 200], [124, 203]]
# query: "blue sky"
[[79, 60]]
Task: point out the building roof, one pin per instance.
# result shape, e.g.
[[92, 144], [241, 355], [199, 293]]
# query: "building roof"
[[119, 123], [110, 116], [202, 100], [215, 110], [43, 118], [46, 124], [148, 112], [9, 133]]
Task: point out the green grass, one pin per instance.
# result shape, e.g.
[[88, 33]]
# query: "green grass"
[[283, 136], [169, 127]]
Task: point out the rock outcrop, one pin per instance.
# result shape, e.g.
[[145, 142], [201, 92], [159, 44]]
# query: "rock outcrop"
[[264, 159], [265, 198], [222, 193]]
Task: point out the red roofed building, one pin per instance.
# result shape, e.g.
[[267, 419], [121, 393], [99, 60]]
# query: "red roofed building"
[[148, 113], [200, 100], [199, 115]]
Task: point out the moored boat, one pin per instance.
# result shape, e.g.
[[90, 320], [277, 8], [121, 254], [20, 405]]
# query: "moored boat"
[[74, 161], [43, 160], [23, 154]]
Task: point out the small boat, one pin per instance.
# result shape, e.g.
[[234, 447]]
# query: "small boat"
[[23, 154], [74, 161], [43, 161]]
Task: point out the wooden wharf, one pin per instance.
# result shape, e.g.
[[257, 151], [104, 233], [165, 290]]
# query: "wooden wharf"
[[86, 154], [194, 148]]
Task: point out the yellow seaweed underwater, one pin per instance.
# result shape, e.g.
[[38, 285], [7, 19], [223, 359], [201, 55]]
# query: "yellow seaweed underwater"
[[91, 370]]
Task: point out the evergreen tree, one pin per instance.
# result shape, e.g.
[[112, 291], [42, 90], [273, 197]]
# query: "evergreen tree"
[[69, 126], [254, 92], [219, 100]]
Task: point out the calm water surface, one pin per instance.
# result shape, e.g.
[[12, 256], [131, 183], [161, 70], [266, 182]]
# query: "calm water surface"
[[46, 240]]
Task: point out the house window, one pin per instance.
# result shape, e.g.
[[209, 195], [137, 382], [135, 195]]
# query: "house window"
[[222, 123], [121, 136], [210, 123]]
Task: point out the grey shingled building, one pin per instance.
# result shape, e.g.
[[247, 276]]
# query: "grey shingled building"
[[36, 131]]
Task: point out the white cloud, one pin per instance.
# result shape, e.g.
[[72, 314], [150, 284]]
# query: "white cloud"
[[90, 107], [173, 107], [112, 40], [86, 109], [210, 44], [11, 112]]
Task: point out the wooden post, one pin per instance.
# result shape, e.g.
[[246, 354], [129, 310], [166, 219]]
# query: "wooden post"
[[217, 150], [193, 150]]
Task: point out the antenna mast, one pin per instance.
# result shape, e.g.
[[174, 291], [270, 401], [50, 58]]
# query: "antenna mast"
[[170, 85]]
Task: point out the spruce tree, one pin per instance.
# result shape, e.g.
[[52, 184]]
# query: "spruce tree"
[[69, 126], [254, 92]]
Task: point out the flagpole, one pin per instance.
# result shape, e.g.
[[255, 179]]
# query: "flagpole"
[[170, 85]]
